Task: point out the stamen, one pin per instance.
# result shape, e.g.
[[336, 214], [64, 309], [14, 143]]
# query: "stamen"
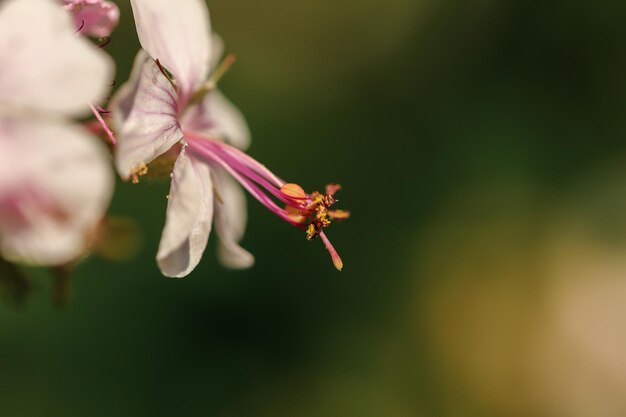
[[138, 171], [251, 174], [309, 212], [82, 25], [166, 74], [311, 232], [293, 191], [245, 183], [221, 69], [103, 124], [215, 77], [338, 215], [255, 165], [294, 214], [104, 41], [331, 189], [240, 156], [262, 177], [103, 111]]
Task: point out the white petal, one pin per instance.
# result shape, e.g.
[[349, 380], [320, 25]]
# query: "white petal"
[[217, 50], [217, 117], [189, 217], [146, 116], [67, 170], [45, 66], [177, 33], [124, 98], [230, 223]]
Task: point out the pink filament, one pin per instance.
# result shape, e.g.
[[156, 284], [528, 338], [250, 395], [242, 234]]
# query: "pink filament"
[[241, 156], [250, 173], [244, 165], [103, 124], [242, 177]]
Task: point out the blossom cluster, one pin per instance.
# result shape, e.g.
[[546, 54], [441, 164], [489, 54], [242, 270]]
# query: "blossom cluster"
[[57, 175]]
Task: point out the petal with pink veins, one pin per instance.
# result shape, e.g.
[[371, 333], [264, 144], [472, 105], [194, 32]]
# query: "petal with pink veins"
[[124, 98], [146, 117]]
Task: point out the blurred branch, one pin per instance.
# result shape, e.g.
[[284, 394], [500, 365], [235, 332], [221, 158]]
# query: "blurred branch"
[[14, 285], [61, 285]]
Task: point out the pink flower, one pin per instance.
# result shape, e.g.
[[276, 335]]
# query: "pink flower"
[[171, 106], [95, 18], [55, 179]]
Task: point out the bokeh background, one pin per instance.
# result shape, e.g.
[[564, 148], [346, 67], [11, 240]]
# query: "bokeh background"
[[482, 149]]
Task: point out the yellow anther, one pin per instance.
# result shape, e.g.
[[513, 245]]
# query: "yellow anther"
[[138, 171], [295, 215], [311, 232]]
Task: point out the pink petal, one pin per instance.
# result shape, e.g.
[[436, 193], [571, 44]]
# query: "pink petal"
[[177, 33], [189, 217], [95, 18], [217, 117], [145, 114]]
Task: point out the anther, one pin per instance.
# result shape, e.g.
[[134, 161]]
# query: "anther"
[[104, 41], [138, 171], [166, 74], [293, 191], [82, 25]]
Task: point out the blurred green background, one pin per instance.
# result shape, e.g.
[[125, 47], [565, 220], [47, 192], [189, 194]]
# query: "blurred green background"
[[482, 149]]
